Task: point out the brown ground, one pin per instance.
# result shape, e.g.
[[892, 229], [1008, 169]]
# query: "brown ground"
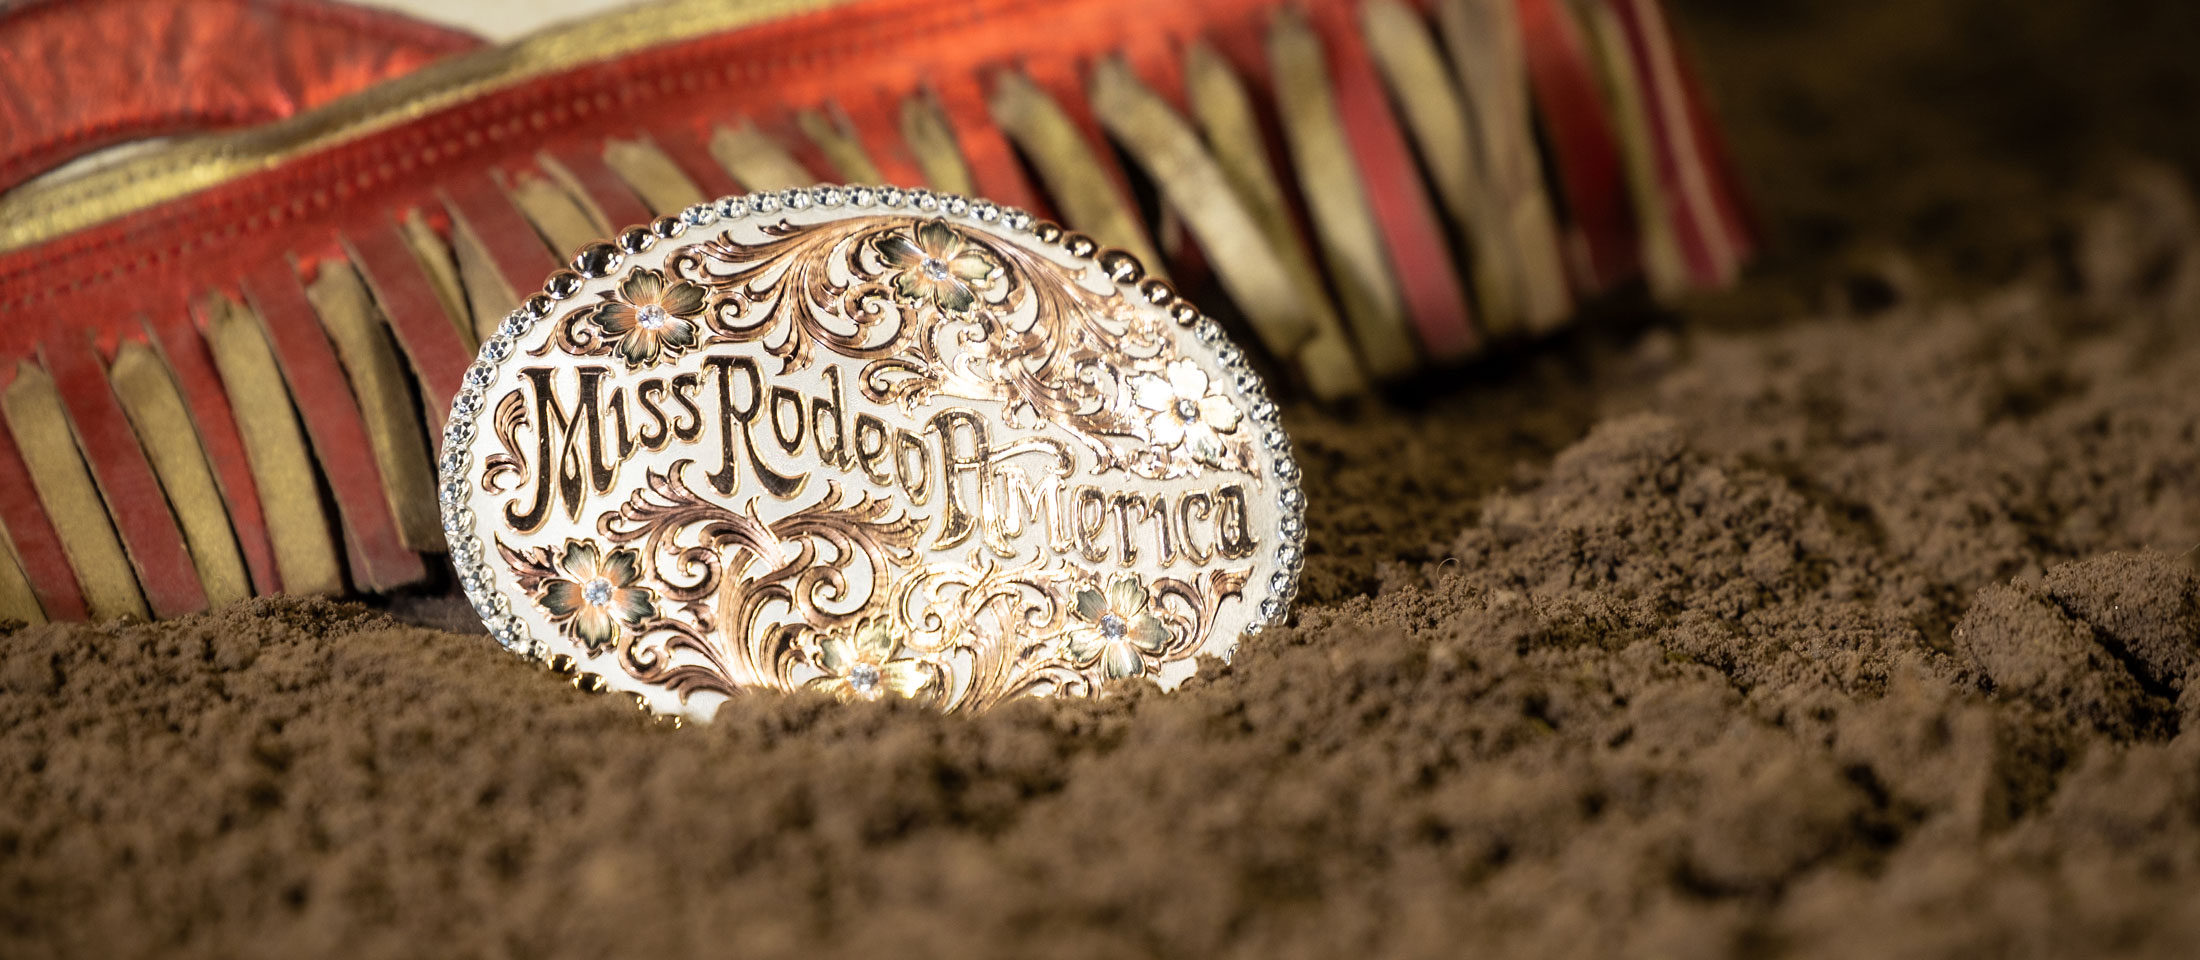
[[1850, 614]]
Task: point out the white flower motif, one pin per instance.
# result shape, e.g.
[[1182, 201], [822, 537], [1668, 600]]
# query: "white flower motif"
[[868, 664], [1116, 629], [1184, 415]]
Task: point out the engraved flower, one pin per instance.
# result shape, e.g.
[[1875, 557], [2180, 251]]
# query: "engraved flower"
[[597, 594], [651, 317], [1116, 629], [869, 663], [1183, 414], [941, 265]]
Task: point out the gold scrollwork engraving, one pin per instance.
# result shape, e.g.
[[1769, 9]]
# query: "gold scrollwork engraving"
[[926, 462]]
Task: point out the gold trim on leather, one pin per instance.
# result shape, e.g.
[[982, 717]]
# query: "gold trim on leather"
[[42, 210]]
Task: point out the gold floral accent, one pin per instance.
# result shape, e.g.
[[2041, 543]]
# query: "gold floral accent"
[[651, 318], [1115, 629], [869, 663], [1186, 416], [597, 594], [940, 266]]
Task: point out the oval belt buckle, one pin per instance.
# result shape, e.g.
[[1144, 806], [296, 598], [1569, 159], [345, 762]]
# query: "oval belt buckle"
[[869, 441]]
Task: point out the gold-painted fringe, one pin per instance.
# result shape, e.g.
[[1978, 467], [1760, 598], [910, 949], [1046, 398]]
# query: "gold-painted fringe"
[[660, 182], [17, 600], [1405, 51], [1284, 309], [932, 141], [435, 257], [1073, 176], [839, 145], [163, 425], [65, 488], [1227, 116], [275, 446], [488, 295], [564, 223], [755, 159], [1329, 177], [1662, 266], [362, 338], [1484, 41]]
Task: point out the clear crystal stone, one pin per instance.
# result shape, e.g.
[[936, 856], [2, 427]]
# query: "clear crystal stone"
[[733, 207], [1288, 556], [458, 521], [1187, 409], [1016, 219], [651, 316], [699, 215], [863, 678], [454, 461], [479, 375], [766, 203], [796, 199], [891, 197], [863, 196], [935, 268], [458, 432], [1293, 499], [1280, 583], [1271, 609], [496, 349], [828, 196], [514, 326], [466, 404], [984, 211], [597, 592], [1113, 627], [957, 206]]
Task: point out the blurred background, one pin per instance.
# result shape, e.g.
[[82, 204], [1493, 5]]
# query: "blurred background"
[[496, 19]]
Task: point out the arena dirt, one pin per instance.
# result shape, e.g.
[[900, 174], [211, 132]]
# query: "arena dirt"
[[1849, 614]]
